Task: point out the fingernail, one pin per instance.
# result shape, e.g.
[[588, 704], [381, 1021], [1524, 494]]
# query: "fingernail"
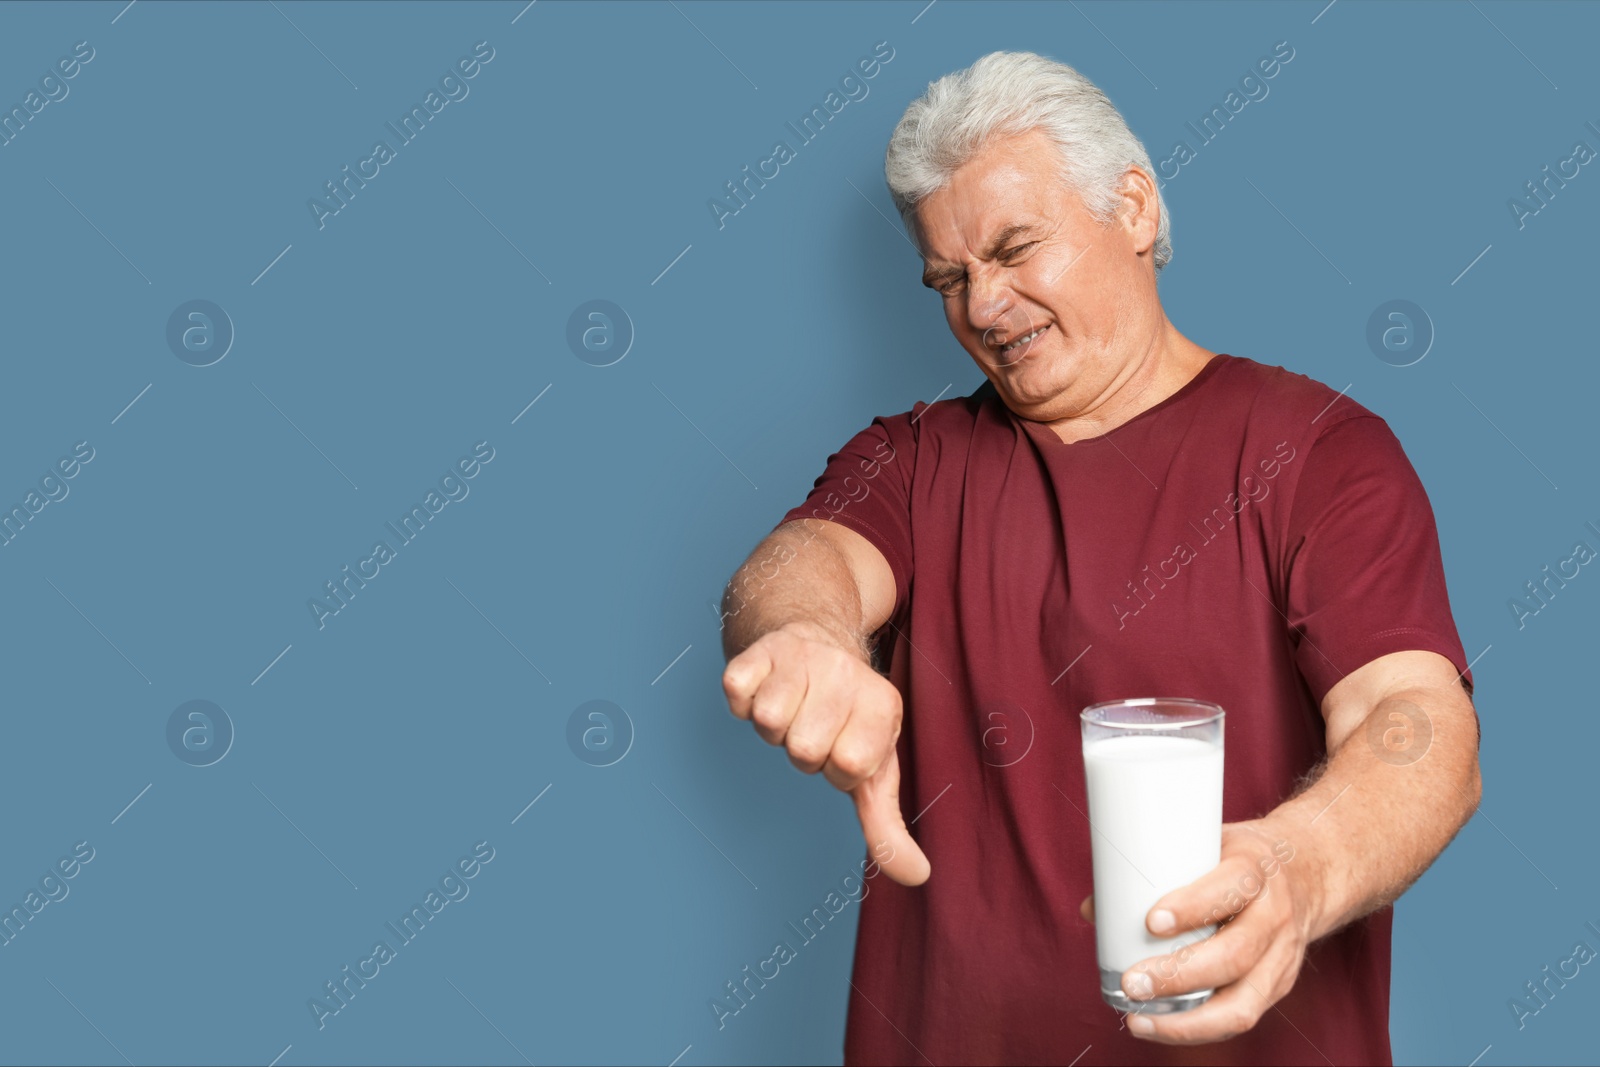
[[1138, 1024], [1162, 920], [1138, 986]]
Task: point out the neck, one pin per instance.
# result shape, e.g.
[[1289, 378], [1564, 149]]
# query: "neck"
[[1168, 362]]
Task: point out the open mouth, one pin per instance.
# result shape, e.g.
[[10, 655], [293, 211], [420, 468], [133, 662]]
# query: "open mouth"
[[1015, 350]]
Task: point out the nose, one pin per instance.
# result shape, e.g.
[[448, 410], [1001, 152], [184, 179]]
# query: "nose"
[[993, 310], [989, 304]]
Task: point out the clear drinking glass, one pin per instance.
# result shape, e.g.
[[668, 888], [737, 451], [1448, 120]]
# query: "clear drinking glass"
[[1153, 766]]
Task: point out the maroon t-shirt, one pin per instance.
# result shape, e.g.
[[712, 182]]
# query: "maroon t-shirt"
[[1250, 540]]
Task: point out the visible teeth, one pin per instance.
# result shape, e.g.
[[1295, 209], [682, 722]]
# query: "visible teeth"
[[1023, 340]]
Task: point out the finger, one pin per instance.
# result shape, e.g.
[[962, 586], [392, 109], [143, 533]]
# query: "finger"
[[1232, 1010], [1206, 963], [744, 675], [817, 725], [1086, 909], [878, 807], [864, 743], [779, 699]]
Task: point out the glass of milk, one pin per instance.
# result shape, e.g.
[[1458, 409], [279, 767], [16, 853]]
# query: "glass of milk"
[[1154, 771]]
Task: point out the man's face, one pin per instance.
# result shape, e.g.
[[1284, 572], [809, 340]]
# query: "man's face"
[[1013, 251]]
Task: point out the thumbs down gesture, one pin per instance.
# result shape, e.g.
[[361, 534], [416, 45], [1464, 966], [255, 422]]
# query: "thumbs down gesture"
[[833, 713]]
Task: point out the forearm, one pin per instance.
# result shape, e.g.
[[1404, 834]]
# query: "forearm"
[[795, 577], [1379, 814]]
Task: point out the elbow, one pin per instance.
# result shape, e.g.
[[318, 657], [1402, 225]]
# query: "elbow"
[[1472, 787], [727, 625], [1469, 780]]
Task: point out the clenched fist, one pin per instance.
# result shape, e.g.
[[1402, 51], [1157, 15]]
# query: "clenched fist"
[[833, 713]]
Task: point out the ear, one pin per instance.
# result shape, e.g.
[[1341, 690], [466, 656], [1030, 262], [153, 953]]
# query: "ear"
[[1140, 214]]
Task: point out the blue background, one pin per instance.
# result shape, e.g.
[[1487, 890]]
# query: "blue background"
[[427, 714]]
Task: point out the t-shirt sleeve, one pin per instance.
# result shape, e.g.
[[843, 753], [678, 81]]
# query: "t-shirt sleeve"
[[1364, 573], [867, 487]]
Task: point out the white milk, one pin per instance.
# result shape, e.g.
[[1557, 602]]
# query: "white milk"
[[1155, 805]]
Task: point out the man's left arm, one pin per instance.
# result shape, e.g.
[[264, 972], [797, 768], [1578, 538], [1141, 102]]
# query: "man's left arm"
[[1400, 781], [1360, 581]]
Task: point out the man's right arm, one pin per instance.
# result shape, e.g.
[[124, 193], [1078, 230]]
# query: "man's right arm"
[[798, 620], [814, 572]]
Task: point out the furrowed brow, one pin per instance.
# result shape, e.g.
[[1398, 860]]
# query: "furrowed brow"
[[933, 277]]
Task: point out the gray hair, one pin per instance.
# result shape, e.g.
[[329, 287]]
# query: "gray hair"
[[1008, 93]]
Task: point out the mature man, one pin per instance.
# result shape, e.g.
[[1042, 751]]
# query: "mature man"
[[1116, 512]]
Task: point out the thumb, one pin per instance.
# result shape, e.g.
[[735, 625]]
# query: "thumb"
[[878, 807]]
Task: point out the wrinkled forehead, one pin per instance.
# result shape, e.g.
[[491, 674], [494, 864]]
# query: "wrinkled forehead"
[[1000, 197], [1007, 181]]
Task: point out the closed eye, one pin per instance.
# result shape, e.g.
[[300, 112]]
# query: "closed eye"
[[952, 284]]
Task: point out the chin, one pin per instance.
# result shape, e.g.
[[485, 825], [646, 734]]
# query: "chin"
[[1034, 383], [1027, 403]]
